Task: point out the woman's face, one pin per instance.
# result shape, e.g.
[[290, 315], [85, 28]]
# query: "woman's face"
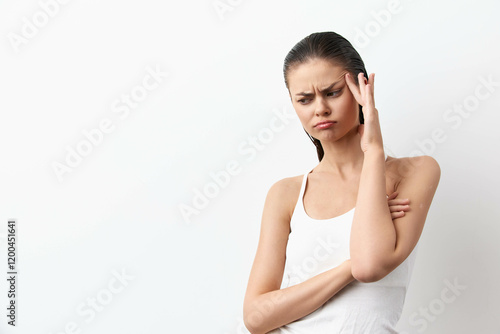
[[320, 93]]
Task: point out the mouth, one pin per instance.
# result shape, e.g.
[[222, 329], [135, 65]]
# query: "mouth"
[[325, 124]]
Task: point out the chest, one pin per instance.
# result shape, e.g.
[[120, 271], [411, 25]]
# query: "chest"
[[325, 198]]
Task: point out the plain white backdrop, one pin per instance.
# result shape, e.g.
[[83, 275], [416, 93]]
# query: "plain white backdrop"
[[119, 117]]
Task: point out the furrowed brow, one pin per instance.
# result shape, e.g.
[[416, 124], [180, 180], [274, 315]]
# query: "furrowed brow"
[[323, 90]]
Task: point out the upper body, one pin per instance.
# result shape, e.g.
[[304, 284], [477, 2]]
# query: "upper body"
[[317, 242], [337, 111], [360, 304]]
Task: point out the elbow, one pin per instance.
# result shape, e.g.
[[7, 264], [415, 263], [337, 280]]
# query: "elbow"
[[248, 324], [367, 272], [252, 319], [251, 326]]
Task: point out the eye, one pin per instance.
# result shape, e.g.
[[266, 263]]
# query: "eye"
[[334, 93], [303, 101]]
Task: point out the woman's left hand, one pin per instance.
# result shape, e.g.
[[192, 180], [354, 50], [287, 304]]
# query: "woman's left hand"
[[397, 207], [371, 135]]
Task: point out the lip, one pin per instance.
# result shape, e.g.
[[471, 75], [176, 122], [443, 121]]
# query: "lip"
[[324, 124]]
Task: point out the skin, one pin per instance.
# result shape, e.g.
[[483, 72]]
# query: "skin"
[[384, 229]]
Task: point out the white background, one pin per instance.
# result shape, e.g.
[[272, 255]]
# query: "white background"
[[118, 210]]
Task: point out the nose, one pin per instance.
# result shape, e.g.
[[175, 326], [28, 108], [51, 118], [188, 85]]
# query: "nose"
[[322, 107]]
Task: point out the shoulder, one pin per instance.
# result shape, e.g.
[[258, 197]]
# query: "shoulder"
[[283, 194], [418, 167], [287, 184]]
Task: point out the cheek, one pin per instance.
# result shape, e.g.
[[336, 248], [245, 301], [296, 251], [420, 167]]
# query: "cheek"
[[348, 103]]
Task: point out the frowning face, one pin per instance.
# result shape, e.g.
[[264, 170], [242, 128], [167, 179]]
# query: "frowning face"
[[322, 100]]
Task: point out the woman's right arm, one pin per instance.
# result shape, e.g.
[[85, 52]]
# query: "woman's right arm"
[[266, 306]]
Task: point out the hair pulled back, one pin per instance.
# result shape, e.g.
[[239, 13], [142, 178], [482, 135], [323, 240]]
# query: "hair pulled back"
[[328, 46]]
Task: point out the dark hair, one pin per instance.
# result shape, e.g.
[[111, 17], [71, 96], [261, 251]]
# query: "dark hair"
[[329, 46]]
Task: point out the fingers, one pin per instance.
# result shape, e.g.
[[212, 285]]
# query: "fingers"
[[393, 195], [354, 88], [397, 201], [364, 94], [397, 214], [362, 83], [371, 80], [369, 89], [398, 208]]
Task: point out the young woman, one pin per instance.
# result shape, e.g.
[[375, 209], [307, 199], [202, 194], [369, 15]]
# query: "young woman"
[[337, 244]]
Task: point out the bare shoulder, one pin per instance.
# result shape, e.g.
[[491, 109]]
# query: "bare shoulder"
[[405, 168], [284, 194], [268, 267]]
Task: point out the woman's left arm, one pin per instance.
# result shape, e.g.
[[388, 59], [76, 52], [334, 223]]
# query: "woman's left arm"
[[379, 243]]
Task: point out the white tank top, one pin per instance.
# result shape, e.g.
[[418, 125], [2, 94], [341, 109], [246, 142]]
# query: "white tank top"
[[317, 245]]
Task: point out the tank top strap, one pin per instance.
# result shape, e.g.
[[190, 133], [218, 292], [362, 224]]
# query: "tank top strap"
[[298, 212], [299, 209], [303, 186]]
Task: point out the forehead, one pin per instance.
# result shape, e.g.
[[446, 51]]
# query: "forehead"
[[315, 73]]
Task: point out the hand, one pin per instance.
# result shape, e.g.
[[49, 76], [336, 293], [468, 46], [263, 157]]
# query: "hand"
[[371, 135], [398, 207]]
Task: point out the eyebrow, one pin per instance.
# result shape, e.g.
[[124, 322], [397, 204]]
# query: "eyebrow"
[[323, 90]]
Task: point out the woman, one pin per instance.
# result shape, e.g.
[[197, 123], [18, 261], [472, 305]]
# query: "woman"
[[337, 244]]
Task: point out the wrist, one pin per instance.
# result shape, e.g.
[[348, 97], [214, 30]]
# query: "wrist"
[[375, 151], [369, 111], [346, 265]]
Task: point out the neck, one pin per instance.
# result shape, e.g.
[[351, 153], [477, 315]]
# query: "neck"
[[344, 157]]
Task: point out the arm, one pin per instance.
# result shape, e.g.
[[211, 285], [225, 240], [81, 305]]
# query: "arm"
[[378, 243], [266, 306]]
